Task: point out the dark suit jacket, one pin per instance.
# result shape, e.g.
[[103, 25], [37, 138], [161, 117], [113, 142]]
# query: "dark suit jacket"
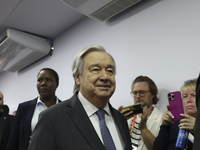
[[196, 145], [166, 139], [21, 130], [66, 126], [6, 122]]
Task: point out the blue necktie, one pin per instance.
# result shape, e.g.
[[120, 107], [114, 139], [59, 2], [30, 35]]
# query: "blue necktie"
[[107, 139]]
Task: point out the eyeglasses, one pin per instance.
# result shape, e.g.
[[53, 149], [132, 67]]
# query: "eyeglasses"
[[190, 80], [141, 93]]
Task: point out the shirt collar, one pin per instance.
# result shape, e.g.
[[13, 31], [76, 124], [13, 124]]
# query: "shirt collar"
[[39, 102], [89, 107]]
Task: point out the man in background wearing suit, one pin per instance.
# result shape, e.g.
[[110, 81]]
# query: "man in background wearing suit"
[[74, 124], [6, 122]]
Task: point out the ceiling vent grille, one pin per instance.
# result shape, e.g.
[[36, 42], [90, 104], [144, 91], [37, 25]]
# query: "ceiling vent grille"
[[100, 9]]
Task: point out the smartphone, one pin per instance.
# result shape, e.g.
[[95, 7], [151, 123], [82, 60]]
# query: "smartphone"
[[137, 109], [175, 104]]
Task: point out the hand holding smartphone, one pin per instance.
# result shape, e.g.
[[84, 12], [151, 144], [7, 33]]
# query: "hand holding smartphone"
[[136, 109], [175, 104]]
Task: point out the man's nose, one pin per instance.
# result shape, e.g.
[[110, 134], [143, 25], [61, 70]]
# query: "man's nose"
[[104, 75], [44, 82]]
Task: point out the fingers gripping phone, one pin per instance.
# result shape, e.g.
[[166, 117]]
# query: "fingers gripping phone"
[[175, 104], [137, 108]]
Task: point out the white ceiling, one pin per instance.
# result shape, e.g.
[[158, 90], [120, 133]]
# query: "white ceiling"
[[46, 18]]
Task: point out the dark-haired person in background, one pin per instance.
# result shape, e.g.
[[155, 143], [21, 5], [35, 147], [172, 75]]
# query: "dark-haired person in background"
[[6, 122], [27, 113]]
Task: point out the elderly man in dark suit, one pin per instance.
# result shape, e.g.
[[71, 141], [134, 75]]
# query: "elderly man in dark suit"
[[6, 122], [86, 121]]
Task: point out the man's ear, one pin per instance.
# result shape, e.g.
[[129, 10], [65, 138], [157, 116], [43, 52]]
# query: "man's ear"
[[77, 79]]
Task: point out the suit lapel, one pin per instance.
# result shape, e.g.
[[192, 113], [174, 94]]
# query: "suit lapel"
[[119, 124], [29, 115], [84, 124]]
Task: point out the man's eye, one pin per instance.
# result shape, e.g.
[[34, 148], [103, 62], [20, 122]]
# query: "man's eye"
[[95, 70], [110, 71], [135, 93]]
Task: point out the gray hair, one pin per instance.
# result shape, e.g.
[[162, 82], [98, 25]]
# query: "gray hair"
[[77, 66]]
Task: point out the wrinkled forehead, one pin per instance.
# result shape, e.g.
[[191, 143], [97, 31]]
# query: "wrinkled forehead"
[[99, 58], [96, 55], [190, 91]]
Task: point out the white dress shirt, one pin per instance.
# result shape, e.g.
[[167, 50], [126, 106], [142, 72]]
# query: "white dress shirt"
[[40, 106], [91, 112]]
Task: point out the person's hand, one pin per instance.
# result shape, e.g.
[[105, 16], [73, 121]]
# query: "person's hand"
[[143, 121], [187, 123], [126, 112], [167, 117]]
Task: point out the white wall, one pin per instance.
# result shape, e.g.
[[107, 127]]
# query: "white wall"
[[159, 39]]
